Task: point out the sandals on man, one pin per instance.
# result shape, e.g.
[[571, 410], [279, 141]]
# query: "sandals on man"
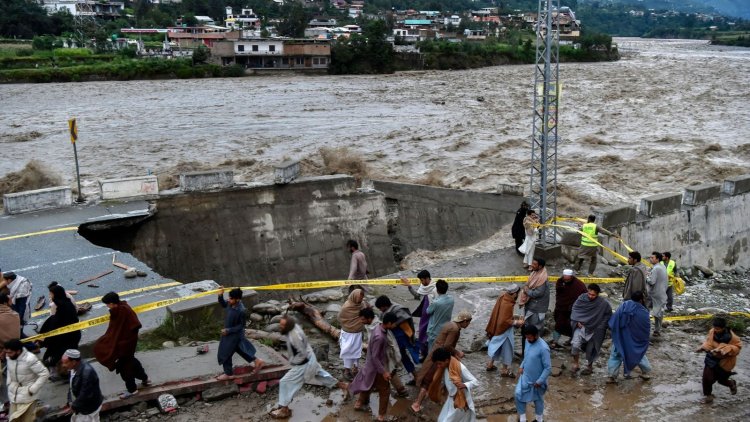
[[127, 394], [507, 374]]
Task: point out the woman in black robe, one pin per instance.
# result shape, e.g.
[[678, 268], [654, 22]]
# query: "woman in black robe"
[[65, 314]]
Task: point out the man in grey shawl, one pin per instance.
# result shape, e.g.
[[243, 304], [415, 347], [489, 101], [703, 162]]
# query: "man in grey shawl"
[[589, 320], [304, 368], [658, 281], [635, 281]]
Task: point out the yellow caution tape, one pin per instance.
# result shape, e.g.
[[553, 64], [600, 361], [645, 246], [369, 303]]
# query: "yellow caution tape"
[[19, 236], [702, 316], [623, 259], [93, 322], [284, 286], [121, 294]]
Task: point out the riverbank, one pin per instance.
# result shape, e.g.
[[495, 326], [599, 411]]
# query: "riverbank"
[[120, 69], [25, 65]]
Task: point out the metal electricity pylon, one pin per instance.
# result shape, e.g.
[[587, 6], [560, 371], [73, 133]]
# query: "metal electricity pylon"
[[84, 22], [543, 194]]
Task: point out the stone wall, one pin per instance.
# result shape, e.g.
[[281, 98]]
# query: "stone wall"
[[432, 218]]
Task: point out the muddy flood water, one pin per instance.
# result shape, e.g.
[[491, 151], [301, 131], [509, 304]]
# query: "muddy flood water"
[[674, 112]]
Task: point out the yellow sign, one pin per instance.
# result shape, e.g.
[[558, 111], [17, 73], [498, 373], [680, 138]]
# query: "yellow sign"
[[73, 130]]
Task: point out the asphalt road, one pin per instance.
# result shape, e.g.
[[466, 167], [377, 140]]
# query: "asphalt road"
[[45, 247]]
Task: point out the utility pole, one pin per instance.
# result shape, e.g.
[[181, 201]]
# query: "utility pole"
[[73, 127], [543, 185]]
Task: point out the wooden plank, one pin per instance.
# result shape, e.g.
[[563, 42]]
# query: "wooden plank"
[[183, 387], [96, 277]]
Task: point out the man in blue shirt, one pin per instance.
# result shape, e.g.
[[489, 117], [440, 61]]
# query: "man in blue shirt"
[[533, 374], [439, 311], [233, 335]]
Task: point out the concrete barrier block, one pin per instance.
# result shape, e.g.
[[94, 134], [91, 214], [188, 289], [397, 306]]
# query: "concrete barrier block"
[[129, 187], [206, 180], [508, 189], [700, 194], [35, 200], [192, 311], [736, 185], [616, 215], [285, 172], [665, 203]]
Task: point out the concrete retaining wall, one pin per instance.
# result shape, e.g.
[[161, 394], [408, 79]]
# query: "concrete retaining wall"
[[431, 218], [206, 180], [261, 235], [715, 234], [35, 200], [129, 187]]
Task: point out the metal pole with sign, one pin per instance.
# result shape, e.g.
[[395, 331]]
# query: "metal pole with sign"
[[73, 137]]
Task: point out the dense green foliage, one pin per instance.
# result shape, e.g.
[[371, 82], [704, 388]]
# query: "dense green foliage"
[[119, 69], [742, 40], [442, 54], [24, 19], [365, 53], [617, 20]]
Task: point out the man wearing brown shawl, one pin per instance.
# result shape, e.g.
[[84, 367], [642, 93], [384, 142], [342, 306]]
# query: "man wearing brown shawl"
[[115, 350], [567, 290], [722, 347], [350, 340], [447, 339], [534, 296], [500, 331], [453, 385]]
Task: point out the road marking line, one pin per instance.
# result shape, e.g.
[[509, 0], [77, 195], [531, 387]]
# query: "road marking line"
[[67, 261], [39, 233]]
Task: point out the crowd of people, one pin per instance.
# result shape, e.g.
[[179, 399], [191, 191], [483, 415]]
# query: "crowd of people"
[[427, 350], [24, 374]]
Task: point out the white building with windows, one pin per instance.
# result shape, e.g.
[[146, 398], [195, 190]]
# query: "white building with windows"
[[99, 9]]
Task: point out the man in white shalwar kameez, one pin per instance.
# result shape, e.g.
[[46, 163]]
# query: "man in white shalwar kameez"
[[459, 384], [304, 368]]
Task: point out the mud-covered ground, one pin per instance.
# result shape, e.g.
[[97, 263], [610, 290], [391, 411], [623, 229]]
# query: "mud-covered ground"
[[672, 394], [672, 112]]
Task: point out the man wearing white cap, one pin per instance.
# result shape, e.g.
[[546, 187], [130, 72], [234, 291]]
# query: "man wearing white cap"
[[500, 334], [84, 395]]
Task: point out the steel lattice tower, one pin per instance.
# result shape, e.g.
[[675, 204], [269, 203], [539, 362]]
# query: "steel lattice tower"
[[543, 194], [84, 20]]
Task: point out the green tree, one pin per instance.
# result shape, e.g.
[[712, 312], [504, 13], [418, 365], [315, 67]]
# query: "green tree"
[[200, 54], [295, 20], [24, 19]]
